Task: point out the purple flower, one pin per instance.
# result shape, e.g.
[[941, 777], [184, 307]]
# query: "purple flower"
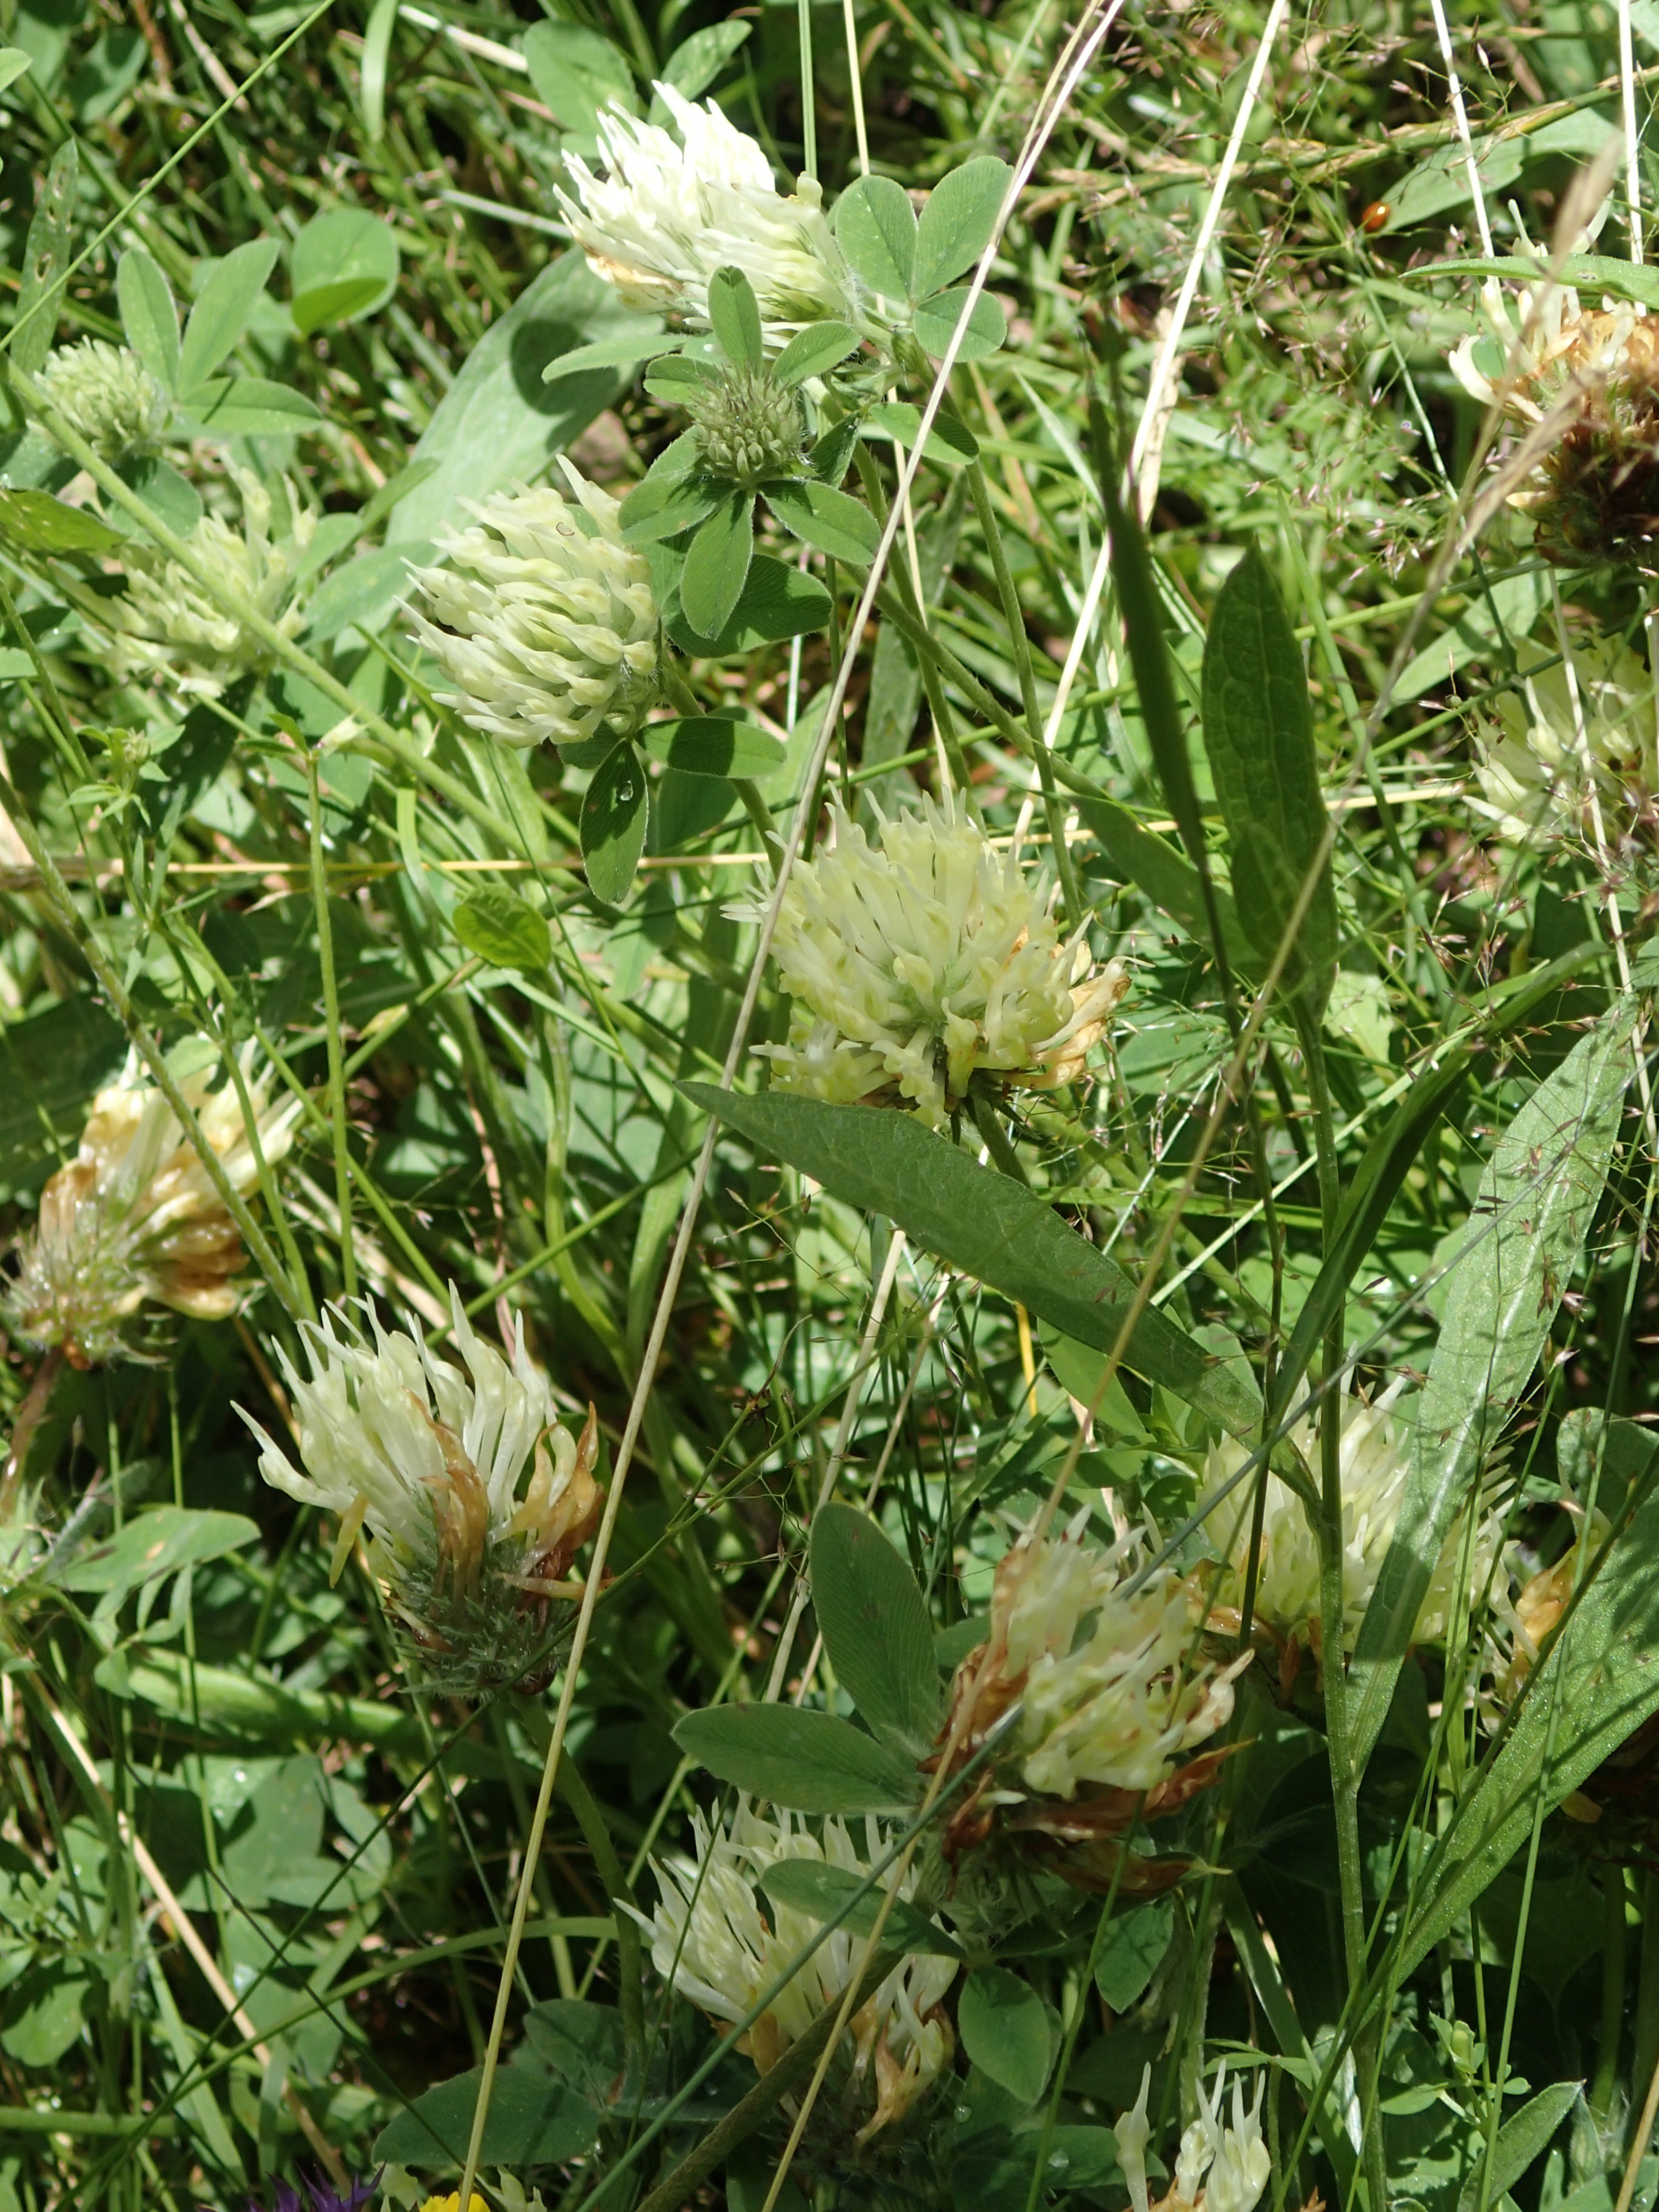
[[323, 2197]]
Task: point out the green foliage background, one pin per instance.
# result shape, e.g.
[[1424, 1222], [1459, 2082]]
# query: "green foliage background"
[[505, 1089]]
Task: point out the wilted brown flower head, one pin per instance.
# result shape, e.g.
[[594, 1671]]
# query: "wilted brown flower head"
[[1593, 376], [135, 1220]]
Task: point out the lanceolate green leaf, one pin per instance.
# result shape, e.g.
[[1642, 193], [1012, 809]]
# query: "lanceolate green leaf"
[[1149, 656], [1601, 1681], [1138, 856], [805, 1886], [814, 352], [734, 316], [1531, 1216], [1520, 2140], [717, 564], [247, 407], [832, 521], [1258, 731], [149, 317], [875, 1628], [809, 1762], [986, 1225], [712, 744], [222, 308], [1390, 1156], [46, 254]]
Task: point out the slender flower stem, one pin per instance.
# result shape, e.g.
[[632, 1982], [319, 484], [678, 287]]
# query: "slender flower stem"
[[1020, 645], [986, 1120], [30, 1414], [336, 1089], [1345, 1780], [630, 1962]]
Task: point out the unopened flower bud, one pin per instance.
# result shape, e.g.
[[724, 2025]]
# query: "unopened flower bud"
[[749, 425], [542, 619], [107, 395], [166, 620], [476, 1498], [134, 1219]]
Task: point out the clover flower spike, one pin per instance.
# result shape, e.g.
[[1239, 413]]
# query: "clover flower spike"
[[1233, 2157], [1109, 1690], [166, 621], [720, 1946], [1587, 381], [1536, 767], [107, 396], [544, 620], [671, 212], [1374, 1459], [917, 965], [135, 1220], [477, 1499]]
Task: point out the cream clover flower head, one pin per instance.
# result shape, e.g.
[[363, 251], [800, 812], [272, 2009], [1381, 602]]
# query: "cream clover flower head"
[[914, 966], [1534, 766], [1109, 1688], [544, 620], [107, 395], [1220, 2166], [1592, 376], [165, 621], [1374, 1456], [673, 211], [134, 1219], [475, 1497], [721, 1944]]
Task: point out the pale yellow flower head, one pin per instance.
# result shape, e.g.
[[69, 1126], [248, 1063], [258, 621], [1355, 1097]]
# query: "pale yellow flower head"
[[1536, 763], [1223, 2166], [475, 1497], [674, 209], [1375, 1456], [542, 619], [1109, 1689], [722, 1944], [915, 965], [135, 1220], [107, 395], [165, 621], [1592, 374]]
